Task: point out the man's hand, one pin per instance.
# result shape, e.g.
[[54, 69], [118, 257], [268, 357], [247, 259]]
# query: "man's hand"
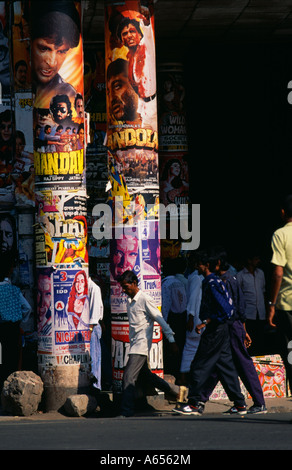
[[247, 340], [270, 316], [199, 327]]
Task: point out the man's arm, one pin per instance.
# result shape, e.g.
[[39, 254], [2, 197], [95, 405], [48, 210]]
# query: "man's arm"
[[155, 313], [276, 281]]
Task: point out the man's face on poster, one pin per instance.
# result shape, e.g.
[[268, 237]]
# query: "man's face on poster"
[[79, 108], [6, 130], [130, 36], [6, 236], [47, 58], [123, 100], [60, 112], [124, 256], [44, 296], [21, 74]]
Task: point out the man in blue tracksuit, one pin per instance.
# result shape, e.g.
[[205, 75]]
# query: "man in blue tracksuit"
[[214, 351], [239, 340]]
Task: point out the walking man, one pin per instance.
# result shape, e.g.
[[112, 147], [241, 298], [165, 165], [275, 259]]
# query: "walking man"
[[280, 304], [142, 312]]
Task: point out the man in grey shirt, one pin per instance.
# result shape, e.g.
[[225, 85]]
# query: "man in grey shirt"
[[142, 313], [252, 282]]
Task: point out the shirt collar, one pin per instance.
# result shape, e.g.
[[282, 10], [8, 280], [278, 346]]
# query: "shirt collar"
[[136, 297]]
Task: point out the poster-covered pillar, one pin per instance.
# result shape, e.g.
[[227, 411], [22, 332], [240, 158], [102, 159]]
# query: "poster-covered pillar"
[[132, 144], [60, 195]]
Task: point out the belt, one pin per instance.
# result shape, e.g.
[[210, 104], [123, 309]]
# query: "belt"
[[149, 98]]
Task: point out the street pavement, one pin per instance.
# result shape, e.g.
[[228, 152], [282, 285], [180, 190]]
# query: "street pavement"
[[156, 407]]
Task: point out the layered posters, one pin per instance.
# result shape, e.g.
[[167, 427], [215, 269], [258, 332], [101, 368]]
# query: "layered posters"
[[132, 143], [173, 148], [60, 187]]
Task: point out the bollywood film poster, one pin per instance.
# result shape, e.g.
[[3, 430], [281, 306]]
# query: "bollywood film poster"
[[135, 248], [63, 317], [132, 139], [61, 253], [57, 80]]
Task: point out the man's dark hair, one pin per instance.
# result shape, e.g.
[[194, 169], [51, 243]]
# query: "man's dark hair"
[[60, 99], [125, 22], [6, 116], [219, 253], [77, 97], [57, 20], [128, 276], [117, 67], [20, 63], [209, 257], [287, 205]]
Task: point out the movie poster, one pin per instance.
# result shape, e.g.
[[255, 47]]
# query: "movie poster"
[[173, 150], [57, 78], [5, 76], [7, 146], [62, 227], [63, 316], [132, 138]]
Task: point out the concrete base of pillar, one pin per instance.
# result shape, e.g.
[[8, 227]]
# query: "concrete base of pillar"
[[60, 382]]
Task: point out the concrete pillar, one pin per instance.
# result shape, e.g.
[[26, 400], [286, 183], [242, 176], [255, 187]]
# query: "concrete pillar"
[[60, 191], [132, 144]]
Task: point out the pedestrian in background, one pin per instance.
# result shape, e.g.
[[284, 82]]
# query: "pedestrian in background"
[[14, 314], [253, 285], [95, 318], [174, 311], [194, 296]]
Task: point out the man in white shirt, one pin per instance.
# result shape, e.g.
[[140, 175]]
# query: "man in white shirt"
[[194, 296], [96, 315], [142, 313]]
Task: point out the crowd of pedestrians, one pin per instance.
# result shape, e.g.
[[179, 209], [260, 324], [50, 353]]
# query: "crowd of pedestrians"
[[214, 318], [228, 313]]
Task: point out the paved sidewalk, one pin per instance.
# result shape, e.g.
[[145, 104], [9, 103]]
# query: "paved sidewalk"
[[159, 407]]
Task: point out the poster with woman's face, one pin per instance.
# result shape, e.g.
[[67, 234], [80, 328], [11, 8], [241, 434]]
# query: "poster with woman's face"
[[174, 180]]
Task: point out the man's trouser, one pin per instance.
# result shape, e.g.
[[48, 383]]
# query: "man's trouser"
[[244, 365], [283, 320], [137, 366], [214, 353]]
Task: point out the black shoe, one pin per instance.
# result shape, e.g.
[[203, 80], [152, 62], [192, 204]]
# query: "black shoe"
[[185, 409], [239, 410], [260, 409]]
